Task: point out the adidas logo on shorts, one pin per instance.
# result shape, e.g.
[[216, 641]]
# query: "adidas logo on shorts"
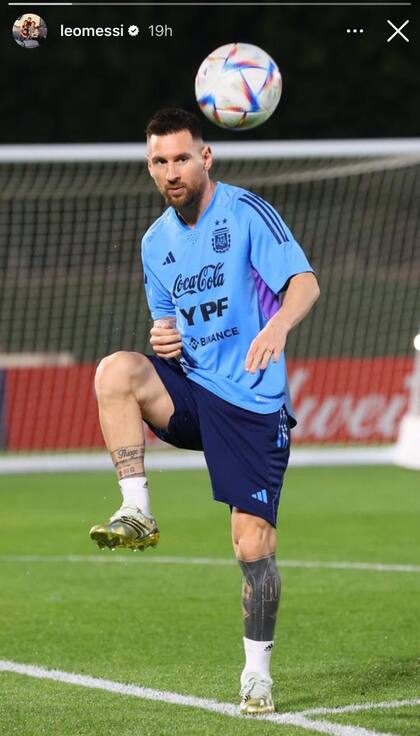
[[260, 495]]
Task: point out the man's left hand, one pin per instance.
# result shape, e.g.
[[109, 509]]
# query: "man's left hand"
[[267, 345]]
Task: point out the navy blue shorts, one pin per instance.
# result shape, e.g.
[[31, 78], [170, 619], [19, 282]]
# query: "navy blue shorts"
[[246, 453]]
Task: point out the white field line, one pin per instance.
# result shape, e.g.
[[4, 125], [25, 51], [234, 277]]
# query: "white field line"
[[299, 720], [185, 460], [362, 706], [124, 560]]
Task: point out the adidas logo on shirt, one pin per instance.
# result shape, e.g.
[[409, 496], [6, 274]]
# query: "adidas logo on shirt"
[[170, 258], [260, 495]]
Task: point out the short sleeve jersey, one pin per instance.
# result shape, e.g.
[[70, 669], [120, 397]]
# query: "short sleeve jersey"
[[221, 280]]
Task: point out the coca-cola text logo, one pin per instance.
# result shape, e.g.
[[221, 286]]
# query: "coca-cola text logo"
[[208, 277]]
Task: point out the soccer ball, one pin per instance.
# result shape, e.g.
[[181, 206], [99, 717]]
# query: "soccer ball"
[[238, 86]]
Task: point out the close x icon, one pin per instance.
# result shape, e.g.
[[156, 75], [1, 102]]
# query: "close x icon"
[[398, 31]]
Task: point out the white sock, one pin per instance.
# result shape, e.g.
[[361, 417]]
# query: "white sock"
[[136, 493], [258, 655]]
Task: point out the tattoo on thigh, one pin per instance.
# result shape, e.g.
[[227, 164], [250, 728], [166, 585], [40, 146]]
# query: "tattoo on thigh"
[[129, 461]]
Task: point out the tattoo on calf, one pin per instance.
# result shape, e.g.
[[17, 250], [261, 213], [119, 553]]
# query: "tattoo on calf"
[[260, 597], [129, 461]]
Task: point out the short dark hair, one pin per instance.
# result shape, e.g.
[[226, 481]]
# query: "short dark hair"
[[173, 120]]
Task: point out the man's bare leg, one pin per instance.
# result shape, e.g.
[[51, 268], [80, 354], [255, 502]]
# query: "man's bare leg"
[[128, 389], [254, 543]]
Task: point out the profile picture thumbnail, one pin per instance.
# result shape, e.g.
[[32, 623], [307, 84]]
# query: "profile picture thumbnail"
[[29, 30]]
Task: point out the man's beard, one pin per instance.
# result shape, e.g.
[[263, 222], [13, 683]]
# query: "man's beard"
[[188, 197]]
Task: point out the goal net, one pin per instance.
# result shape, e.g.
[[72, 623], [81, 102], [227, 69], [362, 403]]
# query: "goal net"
[[71, 292]]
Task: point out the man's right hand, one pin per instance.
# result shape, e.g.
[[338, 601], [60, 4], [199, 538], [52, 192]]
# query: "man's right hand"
[[165, 338]]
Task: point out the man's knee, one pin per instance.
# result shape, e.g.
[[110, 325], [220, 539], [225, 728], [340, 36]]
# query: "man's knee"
[[252, 536], [120, 373]]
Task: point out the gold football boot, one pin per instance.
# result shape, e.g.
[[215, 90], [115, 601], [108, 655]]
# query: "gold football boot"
[[128, 527], [255, 694]]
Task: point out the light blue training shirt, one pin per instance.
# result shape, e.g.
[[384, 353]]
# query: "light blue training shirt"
[[221, 280]]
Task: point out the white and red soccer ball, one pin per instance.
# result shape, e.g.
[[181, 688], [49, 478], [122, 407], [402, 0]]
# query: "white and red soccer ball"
[[238, 86]]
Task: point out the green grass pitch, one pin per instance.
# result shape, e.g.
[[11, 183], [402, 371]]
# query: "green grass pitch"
[[345, 636]]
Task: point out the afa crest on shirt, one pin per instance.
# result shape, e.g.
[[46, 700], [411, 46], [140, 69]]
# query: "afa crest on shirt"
[[221, 237]]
